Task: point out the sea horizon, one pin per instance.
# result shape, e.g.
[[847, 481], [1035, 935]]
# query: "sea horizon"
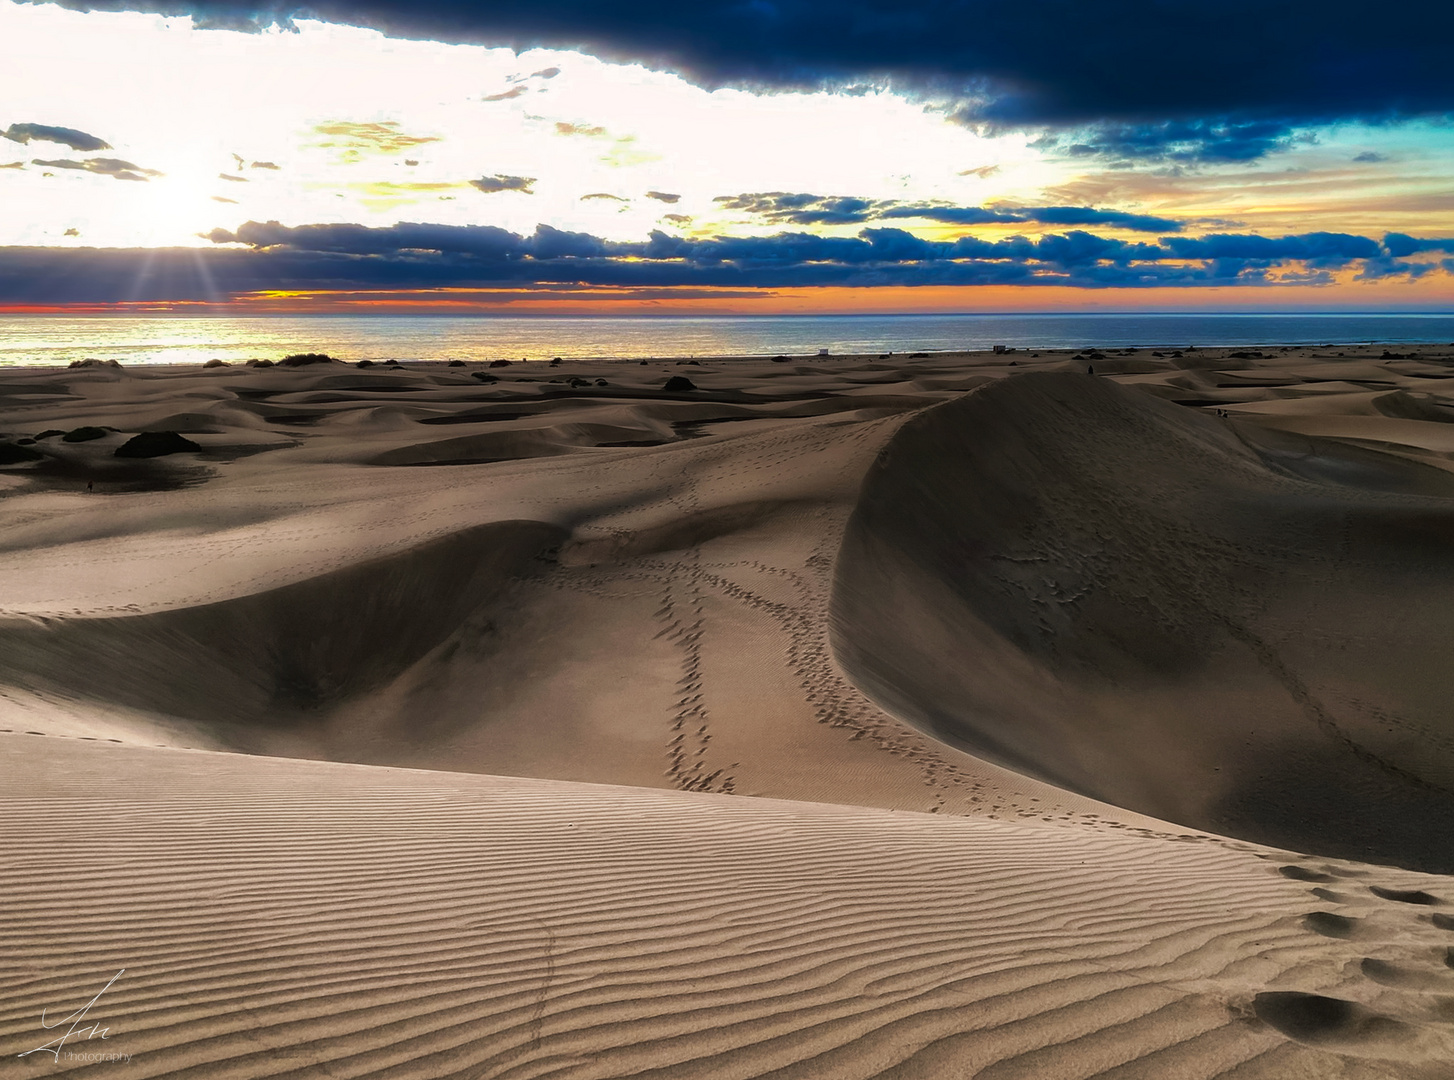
[[38, 340]]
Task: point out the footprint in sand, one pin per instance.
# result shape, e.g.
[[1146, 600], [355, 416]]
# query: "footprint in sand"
[[1404, 976], [1326, 1021], [1331, 925], [1302, 873], [1405, 896]]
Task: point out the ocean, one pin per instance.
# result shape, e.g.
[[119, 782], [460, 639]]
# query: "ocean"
[[49, 340]]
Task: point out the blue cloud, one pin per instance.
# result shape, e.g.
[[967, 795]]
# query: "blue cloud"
[[1084, 215], [269, 255], [1318, 245], [64, 136], [1220, 141], [1400, 246], [1382, 269], [802, 208]]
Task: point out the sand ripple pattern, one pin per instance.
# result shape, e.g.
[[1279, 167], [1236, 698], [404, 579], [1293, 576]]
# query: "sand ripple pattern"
[[280, 918]]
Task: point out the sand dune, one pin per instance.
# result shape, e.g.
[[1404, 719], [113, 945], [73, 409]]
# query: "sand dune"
[[1210, 622], [279, 917], [1041, 658]]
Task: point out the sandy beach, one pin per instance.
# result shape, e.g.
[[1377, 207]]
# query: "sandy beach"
[[1055, 714]]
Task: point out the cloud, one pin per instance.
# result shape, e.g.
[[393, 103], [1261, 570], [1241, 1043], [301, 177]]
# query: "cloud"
[[72, 232], [1338, 247], [355, 139], [13, 165], [221, 199], [1370, 156], [234, 179], [1085, 215], [261, 256], [680, 219], [984, 172], [265, 165], [1056, 62], [516, 91], [113, 167], [603, 195], [663, 196], [479, 240], [1399, 246], [1383, 269], [491, 184], [589, 130], [801, 208], [1201, 141], [76, 140], [945, 214]]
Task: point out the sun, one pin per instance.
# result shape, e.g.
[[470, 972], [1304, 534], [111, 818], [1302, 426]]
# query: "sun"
[[184, 203]]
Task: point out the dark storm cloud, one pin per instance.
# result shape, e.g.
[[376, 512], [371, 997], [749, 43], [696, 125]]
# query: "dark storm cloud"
[[1041, 62], [76, 140], [801, 208], [113, 167], [491, 184]]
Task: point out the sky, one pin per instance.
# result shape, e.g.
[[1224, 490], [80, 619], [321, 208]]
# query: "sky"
[[737, 157]]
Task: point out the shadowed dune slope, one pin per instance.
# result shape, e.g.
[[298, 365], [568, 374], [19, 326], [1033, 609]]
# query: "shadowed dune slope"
[[1235, 628], [275, 656]]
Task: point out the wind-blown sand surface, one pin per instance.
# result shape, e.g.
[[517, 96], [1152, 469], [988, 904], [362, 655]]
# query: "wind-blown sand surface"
[[1021, 659]]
